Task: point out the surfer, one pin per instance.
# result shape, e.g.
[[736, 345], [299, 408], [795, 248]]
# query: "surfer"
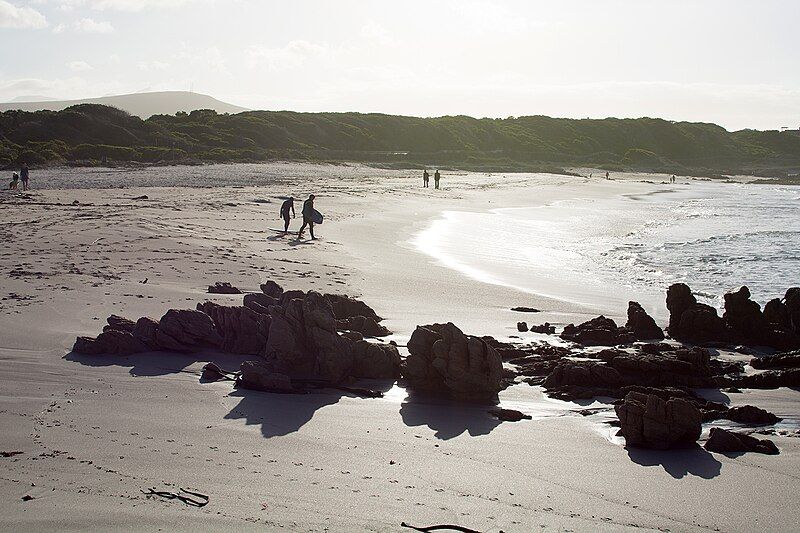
[[287, 206], [308, 217]]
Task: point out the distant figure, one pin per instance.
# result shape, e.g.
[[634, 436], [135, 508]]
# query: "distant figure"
[[590, 174], [23, 175], [607, 176], [672, 179], [13, 185], [436, 177], [426, 178], [308, 217], [287, 206]]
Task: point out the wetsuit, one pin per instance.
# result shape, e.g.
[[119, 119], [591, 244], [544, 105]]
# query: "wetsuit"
[[287, 206]]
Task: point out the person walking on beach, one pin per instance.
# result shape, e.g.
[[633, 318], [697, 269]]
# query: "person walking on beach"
[[436, 177], [287, 206], [426, 178], [308, 217], [23, 176], [607, 176], [672, 180], [12, 186]]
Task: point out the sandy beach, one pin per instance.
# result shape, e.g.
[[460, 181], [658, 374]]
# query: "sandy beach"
[[96, 431]]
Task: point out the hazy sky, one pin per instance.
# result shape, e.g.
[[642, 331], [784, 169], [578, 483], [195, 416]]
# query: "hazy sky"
[[732, 62]]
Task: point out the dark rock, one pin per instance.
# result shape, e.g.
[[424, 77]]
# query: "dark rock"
[[583, 374], [524, 309], [364, 325], [700, 323], [354, 336], [509, 415], [444, 360], [258, 375], [272, 289], [600, 331], [243, 330], [655, 348], [223, 287], [260, 302], [679, 299], [769, 379], [641, 324], [648, 421], [212, 372], [145, 331], [782, 360], [303, 341], [522, 326], [375, 361], [776, 313], [724, 441], [186, 330], [288, 296], [109, 342], [748, 414], [545, 328], [119, 323], [346, 307]]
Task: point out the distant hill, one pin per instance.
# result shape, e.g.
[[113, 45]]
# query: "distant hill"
[[95, 134], [143, 105]]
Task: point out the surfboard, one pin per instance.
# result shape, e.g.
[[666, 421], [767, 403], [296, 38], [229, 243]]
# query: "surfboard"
[[316, 217]]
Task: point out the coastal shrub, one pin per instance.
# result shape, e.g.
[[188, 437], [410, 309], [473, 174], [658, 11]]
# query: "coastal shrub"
[[103, 151]]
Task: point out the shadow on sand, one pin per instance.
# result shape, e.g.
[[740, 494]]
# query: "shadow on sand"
[[678, 463], [448, 418], [282, 414], [149, 364]]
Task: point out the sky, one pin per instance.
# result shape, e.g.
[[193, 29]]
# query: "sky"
[[731, 62]]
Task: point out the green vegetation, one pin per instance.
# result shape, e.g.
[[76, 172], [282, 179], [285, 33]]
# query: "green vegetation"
[[94, 134]]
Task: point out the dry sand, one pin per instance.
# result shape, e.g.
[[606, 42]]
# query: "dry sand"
[[95, 431]]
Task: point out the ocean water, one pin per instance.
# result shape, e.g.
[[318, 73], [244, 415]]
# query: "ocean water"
[[604, 252]]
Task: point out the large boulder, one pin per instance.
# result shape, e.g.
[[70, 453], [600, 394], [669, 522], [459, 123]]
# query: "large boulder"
[[641, 324], [744, 317], [679, 299], [375, 361], [724, 441], [443, 360], [243, 330], [647, 421], [187, 330], [781, 360], [347, 307], [303, 341], [700, 323], [600, 331]]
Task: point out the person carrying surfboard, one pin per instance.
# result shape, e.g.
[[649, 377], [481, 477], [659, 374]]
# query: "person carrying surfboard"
[[308, 217], [287, 206]]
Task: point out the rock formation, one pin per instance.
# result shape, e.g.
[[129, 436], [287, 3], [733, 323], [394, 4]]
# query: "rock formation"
[[648, 421], [443, 360], [724, 441], [600, 331], [243, 330], [223, 287], [641, 324]]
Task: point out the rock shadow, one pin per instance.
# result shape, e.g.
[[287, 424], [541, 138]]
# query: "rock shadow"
[[693, 461], [150, 364], [279, 414], [448, 418]]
